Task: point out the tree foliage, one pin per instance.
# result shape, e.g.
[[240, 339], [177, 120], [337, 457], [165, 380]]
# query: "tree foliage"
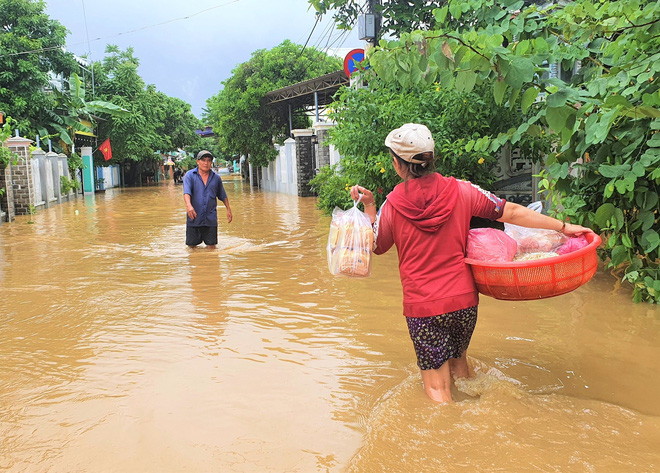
[[30, 49], [71, 111], [365, 116], [605, 118], [238, 113], [396, 16], [154, 122]]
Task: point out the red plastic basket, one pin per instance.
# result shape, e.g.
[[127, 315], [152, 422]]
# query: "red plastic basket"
[[536, 279]]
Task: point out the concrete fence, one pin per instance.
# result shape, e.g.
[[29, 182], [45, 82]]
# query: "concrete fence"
[[32, 180], [299, 160]]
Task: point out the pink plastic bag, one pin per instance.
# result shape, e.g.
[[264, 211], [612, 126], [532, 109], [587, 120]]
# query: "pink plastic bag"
[[573, 244], [490, 244]]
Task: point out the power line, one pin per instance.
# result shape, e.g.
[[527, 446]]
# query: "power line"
[[89, 51], [187, 17], [310, 35], [326, 32]]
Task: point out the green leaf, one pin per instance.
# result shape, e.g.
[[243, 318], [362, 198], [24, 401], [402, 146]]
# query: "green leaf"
[[556, 117], [647, 219], [627, 242], [620, 219], [650, 240], [440, 14], [603, 214], [654, 142], [455, 9], [649, 200], [465, 81], [498, 91], [64, 134], [614, 100], [541, 45], [612, 171], [520, 71], [619, 255], [446, 79], [623, 186], [558, 99], [528, 98]]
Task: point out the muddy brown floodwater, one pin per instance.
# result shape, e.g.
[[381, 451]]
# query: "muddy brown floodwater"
[[124, 351]]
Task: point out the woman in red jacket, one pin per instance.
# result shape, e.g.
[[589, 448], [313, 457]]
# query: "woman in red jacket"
[[427, 217]]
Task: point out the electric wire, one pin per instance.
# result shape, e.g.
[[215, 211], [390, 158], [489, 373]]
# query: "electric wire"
[[186, 17], [326, 32], [316, 22]]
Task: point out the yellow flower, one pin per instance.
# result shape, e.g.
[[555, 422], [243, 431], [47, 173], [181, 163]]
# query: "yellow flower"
[[382, 170], [481, 160]]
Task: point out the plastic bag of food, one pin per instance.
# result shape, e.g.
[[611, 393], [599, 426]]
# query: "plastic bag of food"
[[350, 243], [535, 240], [490, 244], [573, 244]]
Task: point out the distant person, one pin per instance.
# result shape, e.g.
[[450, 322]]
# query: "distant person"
[[427, 217], [201, 188], [178, 174]]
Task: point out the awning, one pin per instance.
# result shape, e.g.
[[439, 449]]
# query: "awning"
[[304, 95]]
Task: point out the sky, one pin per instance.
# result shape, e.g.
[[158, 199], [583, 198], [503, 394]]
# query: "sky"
[[187, 48]]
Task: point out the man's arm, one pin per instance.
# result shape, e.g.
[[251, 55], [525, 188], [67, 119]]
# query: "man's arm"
[[229, 215], [190, 210]]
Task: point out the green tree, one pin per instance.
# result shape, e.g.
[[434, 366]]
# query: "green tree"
[[31, 48], [71, 110], [605, 118], [179, 123], [238, 113], [154, 122], [365, 116]]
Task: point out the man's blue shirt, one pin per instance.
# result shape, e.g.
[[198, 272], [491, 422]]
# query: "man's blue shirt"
[[203, 197]]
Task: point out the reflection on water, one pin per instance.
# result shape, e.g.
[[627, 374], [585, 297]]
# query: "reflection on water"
[[125, 350]]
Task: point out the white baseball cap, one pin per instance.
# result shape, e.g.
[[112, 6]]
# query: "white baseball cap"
[[410, 140]]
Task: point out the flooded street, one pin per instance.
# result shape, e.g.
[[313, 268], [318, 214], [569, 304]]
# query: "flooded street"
[[124, 351]]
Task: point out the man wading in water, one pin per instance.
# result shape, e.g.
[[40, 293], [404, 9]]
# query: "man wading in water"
[[201, 188]]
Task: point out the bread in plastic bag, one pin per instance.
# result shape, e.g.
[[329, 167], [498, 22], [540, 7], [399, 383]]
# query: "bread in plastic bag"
[[490, 244], [535, 240], [350, 243]]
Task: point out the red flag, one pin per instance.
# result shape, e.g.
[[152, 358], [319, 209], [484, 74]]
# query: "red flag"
[[106, 149]]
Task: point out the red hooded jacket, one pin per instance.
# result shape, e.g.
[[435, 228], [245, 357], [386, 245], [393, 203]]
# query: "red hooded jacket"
[[428, 220]]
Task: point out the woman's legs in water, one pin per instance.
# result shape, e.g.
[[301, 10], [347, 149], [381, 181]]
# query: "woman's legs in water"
[[459, 366], [437, 383], [438, 341]]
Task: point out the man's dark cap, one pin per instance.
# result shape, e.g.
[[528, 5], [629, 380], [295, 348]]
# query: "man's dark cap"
[[203, 153]]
